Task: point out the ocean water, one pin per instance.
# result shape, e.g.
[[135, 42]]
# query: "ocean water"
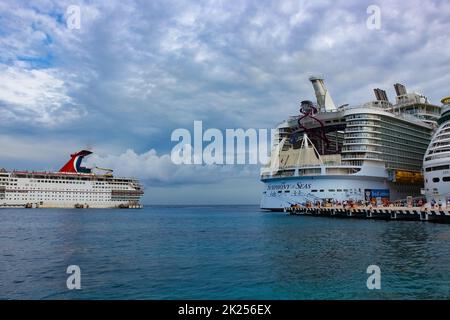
[[217, 252]]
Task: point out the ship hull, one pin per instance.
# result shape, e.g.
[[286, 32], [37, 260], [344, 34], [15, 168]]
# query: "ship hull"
[[437, 163], [73, 186], [69, 205], [56, 190], [284, 192]]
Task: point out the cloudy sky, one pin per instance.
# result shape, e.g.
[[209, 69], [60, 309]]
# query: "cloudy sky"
[[136, 70]]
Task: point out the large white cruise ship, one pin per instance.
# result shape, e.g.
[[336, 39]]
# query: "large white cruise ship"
[[436, 164], [371, 152], [73, 186]]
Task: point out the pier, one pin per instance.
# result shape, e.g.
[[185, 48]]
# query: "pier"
[[438, 215]]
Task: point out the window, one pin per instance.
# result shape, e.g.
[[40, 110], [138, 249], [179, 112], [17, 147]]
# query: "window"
[[436, 179], [446, 179], [444, 167]]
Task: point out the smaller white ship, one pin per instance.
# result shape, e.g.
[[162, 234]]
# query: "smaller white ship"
[[436, 164], [73, 186]]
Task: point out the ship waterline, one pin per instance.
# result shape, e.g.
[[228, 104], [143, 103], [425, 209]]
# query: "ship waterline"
[[372, 152]]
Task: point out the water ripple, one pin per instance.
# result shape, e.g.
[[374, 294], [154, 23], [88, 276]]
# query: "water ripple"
[[222, 252]]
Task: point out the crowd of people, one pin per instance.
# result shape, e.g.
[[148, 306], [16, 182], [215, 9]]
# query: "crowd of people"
[[417, 202]]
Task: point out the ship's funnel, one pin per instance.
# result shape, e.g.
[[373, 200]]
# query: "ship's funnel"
[[324, 100], [74, 164], [380, 94], [400, 89]]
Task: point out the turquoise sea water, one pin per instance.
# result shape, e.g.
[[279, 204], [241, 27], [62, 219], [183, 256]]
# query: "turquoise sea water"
[[217, 252]]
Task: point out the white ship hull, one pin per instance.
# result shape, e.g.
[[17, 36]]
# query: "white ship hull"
[[282, 193], [437, 190], [72, 187], [66, 191], [372, 183], [437, 162]]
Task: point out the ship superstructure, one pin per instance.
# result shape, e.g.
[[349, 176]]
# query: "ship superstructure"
[[436, 164], [73, 186], [370, 152]]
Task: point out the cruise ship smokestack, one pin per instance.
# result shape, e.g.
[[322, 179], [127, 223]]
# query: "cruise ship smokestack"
[[400, 89], [324, 100], [380, 94]]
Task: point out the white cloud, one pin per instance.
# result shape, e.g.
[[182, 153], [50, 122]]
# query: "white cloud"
[[15, 149], [35, 95], [159, 169]]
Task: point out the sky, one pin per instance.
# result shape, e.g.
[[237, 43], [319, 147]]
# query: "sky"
[[134, 71]]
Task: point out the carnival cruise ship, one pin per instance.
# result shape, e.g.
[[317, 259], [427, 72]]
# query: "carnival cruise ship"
[[371, 152], [436, 164], [73, 186]]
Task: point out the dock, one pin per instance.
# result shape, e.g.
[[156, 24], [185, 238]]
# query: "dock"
[[438, 215]]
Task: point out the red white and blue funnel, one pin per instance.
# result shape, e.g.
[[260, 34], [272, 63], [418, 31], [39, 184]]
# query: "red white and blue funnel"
[[74, 164]]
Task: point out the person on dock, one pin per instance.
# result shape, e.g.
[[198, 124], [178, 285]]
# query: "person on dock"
[[433, 203], [420, 203]]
